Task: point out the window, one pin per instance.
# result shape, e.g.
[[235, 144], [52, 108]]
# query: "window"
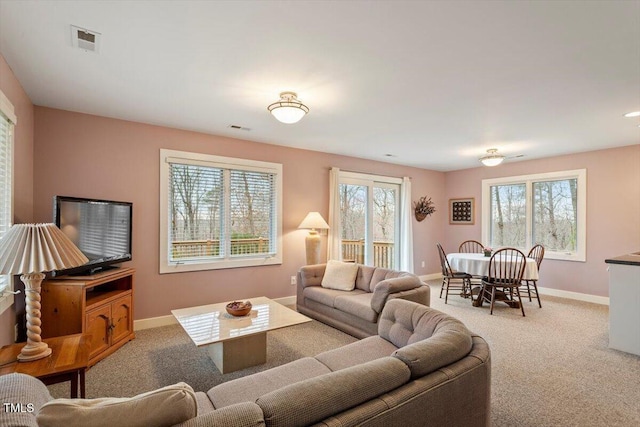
[[218, 212], [369, 219], [549, 209], [7, 123]]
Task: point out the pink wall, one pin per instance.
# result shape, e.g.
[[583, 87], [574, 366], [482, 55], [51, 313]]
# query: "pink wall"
[[89, 156], [23, 170], [613, 212]]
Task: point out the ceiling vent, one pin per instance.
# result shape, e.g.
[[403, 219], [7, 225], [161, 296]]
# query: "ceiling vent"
[[236, 127], [85, 39]]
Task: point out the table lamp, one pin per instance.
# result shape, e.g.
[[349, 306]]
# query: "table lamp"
[[313, 221], [30, 250]]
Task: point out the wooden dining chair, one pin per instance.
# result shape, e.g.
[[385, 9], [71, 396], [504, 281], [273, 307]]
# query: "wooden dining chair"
[[506, 268], [531, 286], [471, 247], [461, 280]]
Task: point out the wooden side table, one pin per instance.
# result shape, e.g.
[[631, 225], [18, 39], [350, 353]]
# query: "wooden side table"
[[67, 362]]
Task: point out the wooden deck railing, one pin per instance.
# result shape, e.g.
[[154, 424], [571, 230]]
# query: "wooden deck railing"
[[203, 248], [352, 250]]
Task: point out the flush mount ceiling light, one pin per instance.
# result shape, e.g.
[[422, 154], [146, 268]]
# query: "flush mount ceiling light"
[[288, 110], [633, 114], [492, 158]]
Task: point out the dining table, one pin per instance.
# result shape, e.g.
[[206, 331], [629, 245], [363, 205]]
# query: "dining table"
[[477, 264]]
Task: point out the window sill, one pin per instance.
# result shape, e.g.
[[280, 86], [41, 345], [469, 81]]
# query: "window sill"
[[565, 257], [6, 301], [203, 266]]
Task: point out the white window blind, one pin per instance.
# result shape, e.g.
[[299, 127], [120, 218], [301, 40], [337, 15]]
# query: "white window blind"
[[218, 212], [7, 122]]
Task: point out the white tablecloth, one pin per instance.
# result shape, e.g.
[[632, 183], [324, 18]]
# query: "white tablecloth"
[[478, 265]]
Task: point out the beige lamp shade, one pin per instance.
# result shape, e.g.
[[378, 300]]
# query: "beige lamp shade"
[[36, 248], [30, 250], [314, 221]]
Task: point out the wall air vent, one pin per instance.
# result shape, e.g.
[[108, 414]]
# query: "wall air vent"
[[85, 39], [236, 127]]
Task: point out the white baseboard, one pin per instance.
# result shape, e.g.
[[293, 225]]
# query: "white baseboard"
[[432, 276], [155, 322], [574, 295], [287, 300], [547, 291]]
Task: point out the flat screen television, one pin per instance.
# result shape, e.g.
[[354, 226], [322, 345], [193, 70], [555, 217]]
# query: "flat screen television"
[[101, 229]]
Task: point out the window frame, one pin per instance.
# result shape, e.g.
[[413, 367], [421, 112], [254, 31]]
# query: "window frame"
[[227, 163], [8, 112], [580, 253]]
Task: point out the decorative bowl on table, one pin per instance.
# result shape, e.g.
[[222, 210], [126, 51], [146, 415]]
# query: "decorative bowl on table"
[[238, 308]]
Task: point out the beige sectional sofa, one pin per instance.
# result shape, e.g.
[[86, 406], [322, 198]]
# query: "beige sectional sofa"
[[424, 368], [355, 309]]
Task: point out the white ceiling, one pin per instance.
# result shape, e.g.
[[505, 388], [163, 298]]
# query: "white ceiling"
[[434, 83]]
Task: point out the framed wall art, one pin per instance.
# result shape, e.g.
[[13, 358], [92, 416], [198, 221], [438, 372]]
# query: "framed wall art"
[[462, 211]]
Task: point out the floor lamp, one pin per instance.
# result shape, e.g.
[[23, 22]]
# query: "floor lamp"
[[30, 250], [313, 221]]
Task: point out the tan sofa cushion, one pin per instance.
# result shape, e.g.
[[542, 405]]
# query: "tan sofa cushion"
[[390, 286], [357, 304], [158, 408], [340, 275], [381, 274], [27, 393], [327, 296], [427, 338], [363, 278], [249, 388], [308, 402], [245, 414], [362, 351]]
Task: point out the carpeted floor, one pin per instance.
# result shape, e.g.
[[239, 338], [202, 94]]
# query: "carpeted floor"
[[550, 368], [553, 367], [165, 355]]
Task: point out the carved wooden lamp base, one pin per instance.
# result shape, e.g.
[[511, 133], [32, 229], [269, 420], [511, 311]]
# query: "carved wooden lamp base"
[[35, 348], [35, 352]]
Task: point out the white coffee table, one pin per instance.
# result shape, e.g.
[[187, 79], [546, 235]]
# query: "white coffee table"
[[235, 343]]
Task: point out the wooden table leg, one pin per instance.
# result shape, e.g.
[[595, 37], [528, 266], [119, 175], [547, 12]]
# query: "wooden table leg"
[[74, 385], [82, 386], [478, 301]]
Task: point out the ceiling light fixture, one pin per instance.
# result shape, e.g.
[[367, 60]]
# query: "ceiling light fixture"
[[492, 158], [288, 110], [633, 114]]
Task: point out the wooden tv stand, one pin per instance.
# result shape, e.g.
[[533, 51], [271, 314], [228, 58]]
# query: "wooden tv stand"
[[100, 305]]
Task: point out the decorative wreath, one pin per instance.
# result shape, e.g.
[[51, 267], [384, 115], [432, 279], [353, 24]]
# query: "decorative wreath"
[[423, 208]]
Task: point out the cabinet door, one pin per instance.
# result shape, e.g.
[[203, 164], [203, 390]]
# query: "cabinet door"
[[98, 325], [121, 319]]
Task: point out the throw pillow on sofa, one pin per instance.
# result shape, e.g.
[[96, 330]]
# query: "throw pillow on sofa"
[[340, 275], [166, 406]]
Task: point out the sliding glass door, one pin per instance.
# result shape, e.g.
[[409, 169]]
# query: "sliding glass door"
[[369, 219]]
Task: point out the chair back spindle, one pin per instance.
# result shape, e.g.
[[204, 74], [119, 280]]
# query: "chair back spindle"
[[471, 247], [506, 266], [444, 262], [537, 253], [531, 286], [449, 276]]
